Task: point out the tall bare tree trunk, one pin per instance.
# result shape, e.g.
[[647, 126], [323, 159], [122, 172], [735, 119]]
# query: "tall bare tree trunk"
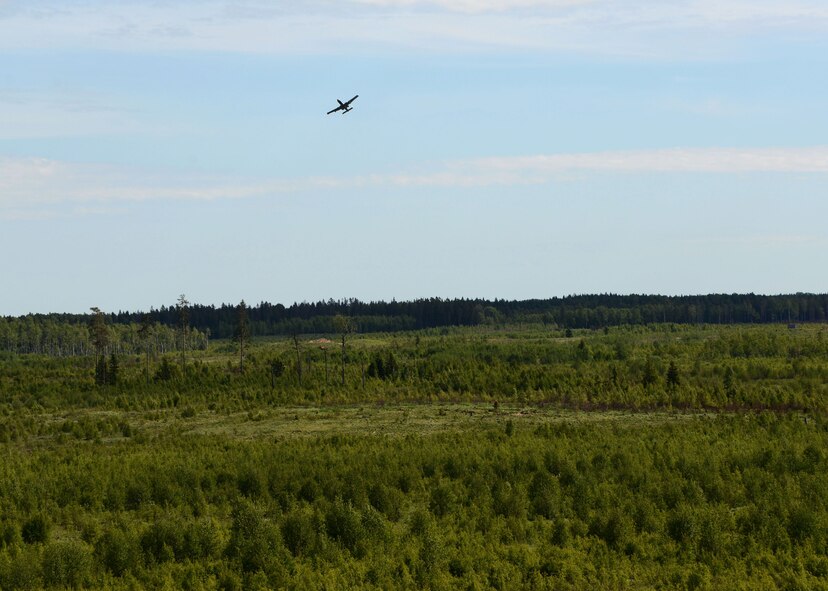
[[298, 358], [343, 359]]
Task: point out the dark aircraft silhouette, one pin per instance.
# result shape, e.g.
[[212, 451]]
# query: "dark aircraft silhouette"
[[344, 107]]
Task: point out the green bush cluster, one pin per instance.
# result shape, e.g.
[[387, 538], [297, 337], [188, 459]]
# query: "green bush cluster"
[[659, 366], [680, 502]]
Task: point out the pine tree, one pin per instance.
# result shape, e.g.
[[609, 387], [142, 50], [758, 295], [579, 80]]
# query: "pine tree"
[[242, 332], [145, 334], [650, 377], [165, 370], [112, 372], [673, 379], [730, 382], [99, 335], [100, 371], [277, 368], [343, 325], [183, 328], [298, 357]]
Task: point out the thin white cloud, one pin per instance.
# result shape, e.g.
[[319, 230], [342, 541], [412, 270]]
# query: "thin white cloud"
[[653, 28], [33, 188], [716, 160], [477, 6]]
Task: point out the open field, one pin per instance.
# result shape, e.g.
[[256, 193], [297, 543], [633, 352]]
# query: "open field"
[[507, 459], [283, 423]]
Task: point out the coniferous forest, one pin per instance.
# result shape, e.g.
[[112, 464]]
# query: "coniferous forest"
[[64, 334], [592, 442]]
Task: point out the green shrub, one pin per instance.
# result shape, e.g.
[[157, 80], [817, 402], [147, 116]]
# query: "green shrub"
[[163, 540], [255, 541], [35, 530], [508, 500], [544, 494], [802, 523], [227, 580], [616, 529], [9, 534], [561, 533], [118, 551], [442, 499], [299, 532], [343, 523], [387, 500], [66, 563], [251, 483], [419, 522], [682, 525], [21, 570], [202, 539]]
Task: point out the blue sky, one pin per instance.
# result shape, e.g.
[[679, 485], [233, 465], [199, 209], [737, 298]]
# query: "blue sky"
[[512, 149]]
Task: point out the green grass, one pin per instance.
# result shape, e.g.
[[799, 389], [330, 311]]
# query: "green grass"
[[285, 422]]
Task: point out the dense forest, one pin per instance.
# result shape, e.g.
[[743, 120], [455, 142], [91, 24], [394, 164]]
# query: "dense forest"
[[65, 334]]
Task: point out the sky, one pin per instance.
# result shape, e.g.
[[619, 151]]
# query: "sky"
[[498, 149]]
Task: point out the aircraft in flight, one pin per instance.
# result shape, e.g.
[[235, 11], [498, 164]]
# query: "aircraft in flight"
[[344, 107]]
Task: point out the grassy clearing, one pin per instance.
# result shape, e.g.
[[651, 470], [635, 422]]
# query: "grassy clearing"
[[286, 422]]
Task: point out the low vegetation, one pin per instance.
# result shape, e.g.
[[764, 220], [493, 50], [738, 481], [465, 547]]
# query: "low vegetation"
[[662, 456]]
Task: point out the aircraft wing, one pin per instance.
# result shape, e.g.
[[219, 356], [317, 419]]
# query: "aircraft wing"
[[343, 106]]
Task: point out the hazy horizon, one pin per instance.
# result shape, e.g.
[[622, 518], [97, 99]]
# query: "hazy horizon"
[[252, 303]]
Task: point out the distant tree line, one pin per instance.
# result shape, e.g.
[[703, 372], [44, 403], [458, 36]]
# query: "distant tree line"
[[67, 334]]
